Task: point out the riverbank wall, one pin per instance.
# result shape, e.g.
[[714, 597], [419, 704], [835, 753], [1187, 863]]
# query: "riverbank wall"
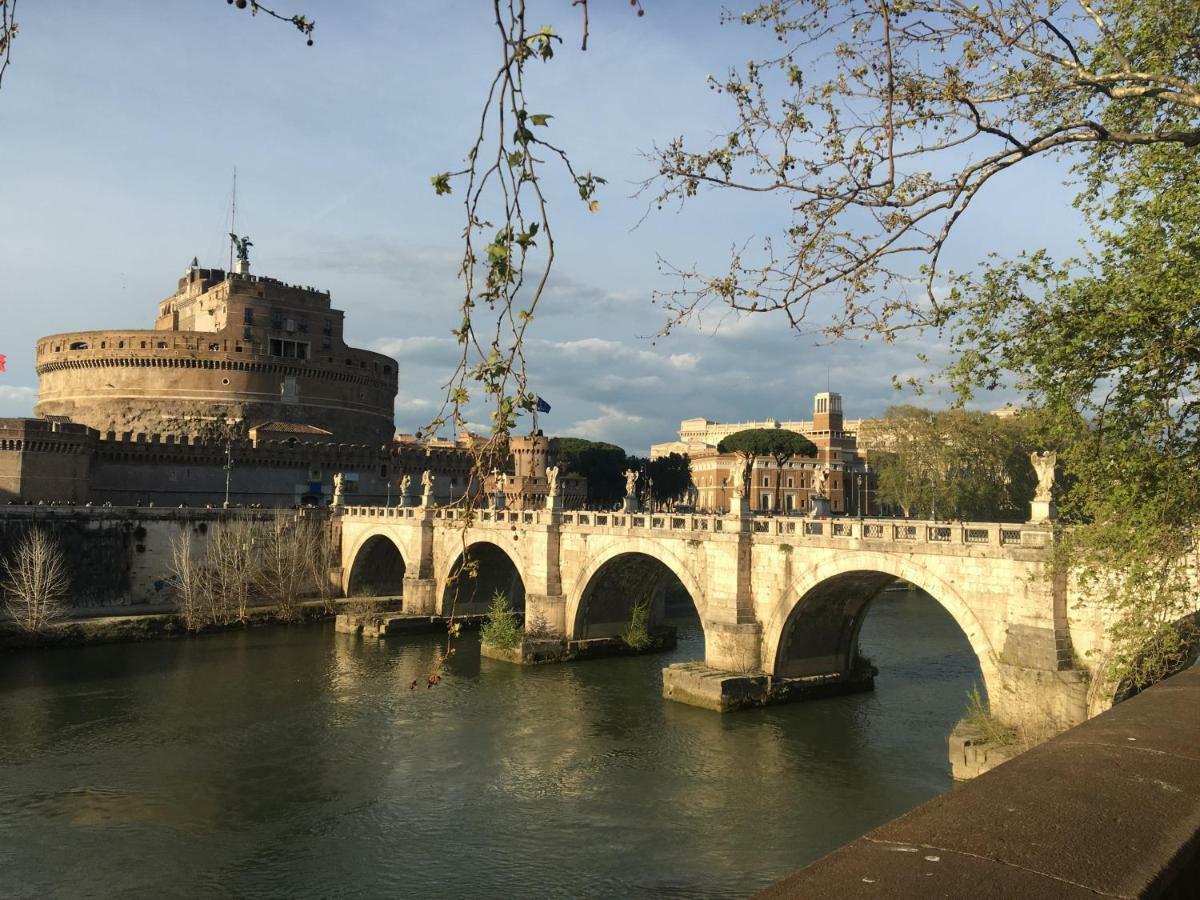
[[1110, 808], [119, 558]]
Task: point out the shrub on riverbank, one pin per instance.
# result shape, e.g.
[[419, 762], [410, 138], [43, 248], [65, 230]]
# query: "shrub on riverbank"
[[276, 563], [34, 581], [637, 632], [503, 628]]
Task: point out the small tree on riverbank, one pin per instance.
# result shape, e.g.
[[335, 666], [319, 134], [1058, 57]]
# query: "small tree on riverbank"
[[502, 628], [190, 580], [232, 563], [34, 581], [285, 562]]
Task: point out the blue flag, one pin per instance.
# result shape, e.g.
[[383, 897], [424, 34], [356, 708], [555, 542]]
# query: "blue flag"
[[542, 405]]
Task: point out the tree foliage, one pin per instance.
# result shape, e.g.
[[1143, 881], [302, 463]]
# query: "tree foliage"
[[952, 464], [776, 443], [600, 463], [1109, 346], [669, 477], [879, 122]]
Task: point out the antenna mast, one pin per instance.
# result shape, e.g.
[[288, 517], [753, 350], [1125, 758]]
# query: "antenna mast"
[[232, 219]]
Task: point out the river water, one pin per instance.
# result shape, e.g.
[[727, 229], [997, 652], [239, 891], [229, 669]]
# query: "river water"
[[296, 762]]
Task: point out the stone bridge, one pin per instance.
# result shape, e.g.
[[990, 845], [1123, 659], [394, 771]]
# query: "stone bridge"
[[782, 597]]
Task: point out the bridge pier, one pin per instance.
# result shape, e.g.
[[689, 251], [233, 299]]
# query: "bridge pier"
[[420, 596], [546, 615]]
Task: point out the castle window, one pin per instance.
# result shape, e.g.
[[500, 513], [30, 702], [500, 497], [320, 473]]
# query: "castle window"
[[328, 328], [387, 370], [276, 319], [143, 345], [248, 316], [289, 349], [120, 345], [162, 345], [326, 344], [214, 346], [79, 345], [248, 332]]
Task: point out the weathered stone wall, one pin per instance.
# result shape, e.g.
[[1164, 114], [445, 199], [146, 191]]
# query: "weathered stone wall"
[[218, 352], [177, 385], [119, 560], [68, 462], [45, 459]]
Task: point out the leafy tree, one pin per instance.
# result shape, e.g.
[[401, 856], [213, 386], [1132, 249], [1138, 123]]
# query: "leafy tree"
[[778, 444], [1107, 345], [670, 477], [879, 123], [600, 463], [967, 465]]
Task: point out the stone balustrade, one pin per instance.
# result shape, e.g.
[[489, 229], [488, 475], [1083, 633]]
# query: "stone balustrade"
[[995, 534]]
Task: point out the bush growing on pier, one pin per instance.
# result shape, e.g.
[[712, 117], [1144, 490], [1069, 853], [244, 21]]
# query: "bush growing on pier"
[[637, 632], [502, 629], [34, 581]]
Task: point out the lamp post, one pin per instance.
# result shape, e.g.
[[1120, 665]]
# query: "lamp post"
[[859, 479], [228, 468]]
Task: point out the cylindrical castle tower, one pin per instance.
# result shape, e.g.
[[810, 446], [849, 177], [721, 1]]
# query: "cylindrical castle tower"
[[225, 348]]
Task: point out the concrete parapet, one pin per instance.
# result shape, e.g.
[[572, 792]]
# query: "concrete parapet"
[[1108, 809], [972, 754]]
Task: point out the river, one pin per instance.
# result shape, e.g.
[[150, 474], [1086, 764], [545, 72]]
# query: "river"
[[296, 762]]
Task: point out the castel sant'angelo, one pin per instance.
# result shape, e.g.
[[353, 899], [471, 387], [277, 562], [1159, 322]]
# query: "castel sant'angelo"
[[244, 381]]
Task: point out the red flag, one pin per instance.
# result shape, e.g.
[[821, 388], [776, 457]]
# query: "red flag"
[[2, 359]]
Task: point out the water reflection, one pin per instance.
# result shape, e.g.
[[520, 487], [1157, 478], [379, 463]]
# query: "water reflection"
[[298, 762]]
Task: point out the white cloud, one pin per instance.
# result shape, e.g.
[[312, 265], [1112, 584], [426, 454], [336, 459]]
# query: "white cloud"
[[17, 400]]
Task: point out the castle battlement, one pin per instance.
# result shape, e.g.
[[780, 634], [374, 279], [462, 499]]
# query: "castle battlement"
[[225, 348]]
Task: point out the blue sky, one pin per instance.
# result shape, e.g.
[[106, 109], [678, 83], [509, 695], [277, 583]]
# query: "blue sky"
[[121, 123]]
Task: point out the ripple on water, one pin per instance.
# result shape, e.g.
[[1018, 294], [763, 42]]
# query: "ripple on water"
[[297, 762]]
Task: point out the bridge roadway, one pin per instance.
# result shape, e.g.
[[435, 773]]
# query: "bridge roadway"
[[780, 596]]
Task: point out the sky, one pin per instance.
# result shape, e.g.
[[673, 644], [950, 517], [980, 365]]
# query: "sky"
[[121, 124]]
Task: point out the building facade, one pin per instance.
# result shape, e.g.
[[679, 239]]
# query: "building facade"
[[787, 488]]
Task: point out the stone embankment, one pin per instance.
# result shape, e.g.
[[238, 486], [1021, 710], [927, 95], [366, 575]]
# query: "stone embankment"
[[1110, 808], [119, 629]]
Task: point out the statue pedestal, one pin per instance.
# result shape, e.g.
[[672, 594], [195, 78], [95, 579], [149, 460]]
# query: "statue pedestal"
[[739, 508], [820, 507], [630, 505], [498, 500], [426, 501], [554, 503], [1042, 511]]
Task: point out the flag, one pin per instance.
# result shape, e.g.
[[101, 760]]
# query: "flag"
[[2, 359], [542, 405]]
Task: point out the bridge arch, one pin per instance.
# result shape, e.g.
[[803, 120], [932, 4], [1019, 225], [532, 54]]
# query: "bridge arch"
[[377, 567], [604, 561], [497, 569], [813, 627]]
